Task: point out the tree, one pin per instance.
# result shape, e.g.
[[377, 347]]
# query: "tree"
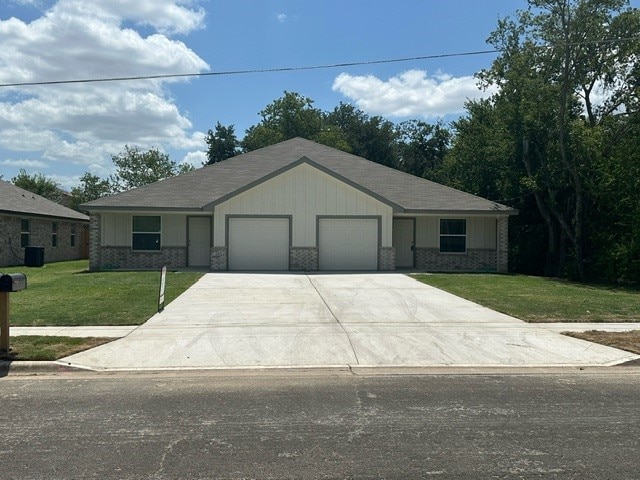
[[136, 168], [38, 184], [373, 138], [557, 56], [484, 160], [222, 143], [288, 117], [91, 188], [422, 148]]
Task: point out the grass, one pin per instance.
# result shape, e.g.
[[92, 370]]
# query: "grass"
[[66, 294], [537, 299], [629, 341], [33, 347]]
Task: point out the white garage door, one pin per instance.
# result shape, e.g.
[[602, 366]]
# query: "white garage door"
[[348, 244], [257, 243]]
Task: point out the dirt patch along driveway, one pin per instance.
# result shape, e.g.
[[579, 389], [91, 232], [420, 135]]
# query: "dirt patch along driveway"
[[229, 320]]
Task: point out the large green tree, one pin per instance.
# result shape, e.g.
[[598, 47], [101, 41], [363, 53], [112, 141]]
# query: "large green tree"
[[91, 187], [38, 184], [559, 57], [287, 117], [222, 143], [135, 168], [422, 148], [373, 138]]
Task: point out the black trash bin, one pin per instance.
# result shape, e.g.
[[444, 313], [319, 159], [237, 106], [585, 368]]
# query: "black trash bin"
[[33, 256]]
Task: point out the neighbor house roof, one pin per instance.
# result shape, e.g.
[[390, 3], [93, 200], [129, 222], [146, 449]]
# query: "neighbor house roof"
[[204, 188], [17, 201]]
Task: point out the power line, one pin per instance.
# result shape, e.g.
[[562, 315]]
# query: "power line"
[[291, 69], [250, 71]]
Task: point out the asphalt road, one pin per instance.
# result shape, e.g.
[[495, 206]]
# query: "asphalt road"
[[203, 425]]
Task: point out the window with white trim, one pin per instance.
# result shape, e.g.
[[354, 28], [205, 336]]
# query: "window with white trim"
[[146, 232], [453, 235]]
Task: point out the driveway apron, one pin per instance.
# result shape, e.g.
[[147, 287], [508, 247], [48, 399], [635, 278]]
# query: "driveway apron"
[[243, 320]]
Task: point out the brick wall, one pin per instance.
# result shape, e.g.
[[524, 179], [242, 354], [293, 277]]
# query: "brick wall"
[[303, 259], [474, 260], [219, 259], [503, 244], [126, 259], [386, 258], [41, 229], [95, 237]]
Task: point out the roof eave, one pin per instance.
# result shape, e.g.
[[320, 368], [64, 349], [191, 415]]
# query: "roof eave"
[[103, 208], [16, 213], [458, 212]]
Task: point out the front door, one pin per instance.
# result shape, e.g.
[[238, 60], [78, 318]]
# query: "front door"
[[403, 238], [199, 241]]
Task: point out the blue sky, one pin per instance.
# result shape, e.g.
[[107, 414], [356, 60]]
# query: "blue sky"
[[64, 130]]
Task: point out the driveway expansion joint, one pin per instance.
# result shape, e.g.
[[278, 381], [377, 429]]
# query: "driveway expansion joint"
[[355, 354]]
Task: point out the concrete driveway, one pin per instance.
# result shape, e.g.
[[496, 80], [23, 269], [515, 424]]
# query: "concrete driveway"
[[229, 320]]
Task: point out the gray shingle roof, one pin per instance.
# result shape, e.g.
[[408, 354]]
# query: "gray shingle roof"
[[18, 201], [202, 188]]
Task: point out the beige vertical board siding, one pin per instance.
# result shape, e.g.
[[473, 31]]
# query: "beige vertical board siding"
[[427, 231], [174, 230], [303, 192], [116, 229], [481, 233]]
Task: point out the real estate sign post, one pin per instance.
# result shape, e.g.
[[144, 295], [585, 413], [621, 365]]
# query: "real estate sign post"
[[4, 322], [163, 283]]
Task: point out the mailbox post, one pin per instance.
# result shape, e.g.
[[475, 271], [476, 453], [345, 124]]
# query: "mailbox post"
[[10, 282]]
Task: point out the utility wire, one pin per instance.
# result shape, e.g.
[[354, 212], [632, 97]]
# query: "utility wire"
[[250, 71], [289, 69]]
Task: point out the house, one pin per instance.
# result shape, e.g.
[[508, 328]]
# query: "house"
[[28, 220], [301, 206]]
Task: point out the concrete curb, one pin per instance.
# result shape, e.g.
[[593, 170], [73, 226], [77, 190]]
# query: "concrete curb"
[[23, 368], [35, 368]]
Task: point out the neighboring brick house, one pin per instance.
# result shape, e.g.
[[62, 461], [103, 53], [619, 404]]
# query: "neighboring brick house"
[[298, 205], [29, 220]]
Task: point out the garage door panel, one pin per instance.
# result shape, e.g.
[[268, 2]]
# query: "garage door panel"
[[257, 243], [348, 243]]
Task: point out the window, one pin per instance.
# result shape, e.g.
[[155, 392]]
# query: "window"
[[54, 234], [25, 232], [73, 235], [453, 236], [146, 232]]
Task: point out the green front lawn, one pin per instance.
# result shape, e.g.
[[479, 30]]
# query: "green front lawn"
[[537, 299], [39, 348], [67, 294]]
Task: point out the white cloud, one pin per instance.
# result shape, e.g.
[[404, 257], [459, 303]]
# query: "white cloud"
[[166, 16], [85, 123], [281, 17], [410, 94], [32, 164], [197, 158]]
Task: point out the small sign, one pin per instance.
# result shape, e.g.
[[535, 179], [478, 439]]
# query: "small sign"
[[163, 283]]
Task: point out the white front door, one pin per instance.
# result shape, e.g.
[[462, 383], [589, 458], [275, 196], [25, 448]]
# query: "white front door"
[[258, 243], [199, 241], [348, 243], [403, 233]]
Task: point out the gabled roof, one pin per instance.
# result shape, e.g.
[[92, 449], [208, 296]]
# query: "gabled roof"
[[204, 188], [17, 201]]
